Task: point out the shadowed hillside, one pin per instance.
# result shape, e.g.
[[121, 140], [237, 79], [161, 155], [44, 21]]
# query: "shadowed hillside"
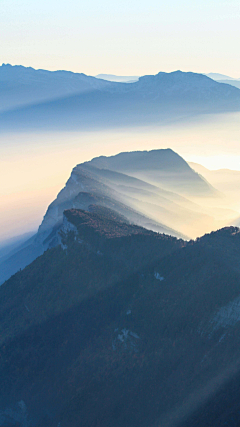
[[118, 325]]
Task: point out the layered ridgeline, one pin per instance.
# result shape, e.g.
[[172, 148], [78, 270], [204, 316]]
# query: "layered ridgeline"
[[22, 86], [119, 79], [156, 190], [39, 99], [119, 325], [226, 181], [224, 79]]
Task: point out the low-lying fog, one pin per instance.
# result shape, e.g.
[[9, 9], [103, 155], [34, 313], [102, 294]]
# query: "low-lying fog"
[[34, 167]]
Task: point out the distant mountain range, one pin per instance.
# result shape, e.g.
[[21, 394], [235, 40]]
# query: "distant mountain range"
[[122, 79], [38, 99], [235, 83], [220, 77], [120, 326], [130, 79], [152, 189], [21, 86], [224, 79], [226, 181]]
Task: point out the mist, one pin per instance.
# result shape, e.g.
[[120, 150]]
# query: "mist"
[[35, 166]]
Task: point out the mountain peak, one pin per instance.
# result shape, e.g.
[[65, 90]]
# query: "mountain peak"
[[164, 158], [187, 78]]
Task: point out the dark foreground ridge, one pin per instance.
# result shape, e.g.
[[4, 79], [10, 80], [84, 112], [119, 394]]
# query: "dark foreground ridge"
[[121, 326]]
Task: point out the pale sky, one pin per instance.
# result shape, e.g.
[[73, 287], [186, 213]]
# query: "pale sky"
[[126, 38]]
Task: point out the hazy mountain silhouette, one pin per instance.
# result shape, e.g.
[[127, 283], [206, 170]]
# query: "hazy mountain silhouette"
[[227, 181], [152, 99], [24, 85], [235, 83], [219, 77], [150, 189], [122, 79], [163, 167], [6, 246], [118, 325]]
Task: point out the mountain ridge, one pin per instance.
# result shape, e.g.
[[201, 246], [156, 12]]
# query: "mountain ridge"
[[94, 343], [152, 99], [156, 206]]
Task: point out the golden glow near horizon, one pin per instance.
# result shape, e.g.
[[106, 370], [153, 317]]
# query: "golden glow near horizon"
[[34, 167], [123, 38]]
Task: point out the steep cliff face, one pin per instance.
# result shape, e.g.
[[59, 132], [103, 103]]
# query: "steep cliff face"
[[140, 201], [54, 214], [112, 182]]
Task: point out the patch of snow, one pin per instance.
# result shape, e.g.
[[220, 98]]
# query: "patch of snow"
[[123, 336], [203, 359], [22, 406], [133, 334], [222, 337], [126, 340], [15, 415], [225, 317], [158, 276], [64, 247], [228, 315]]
